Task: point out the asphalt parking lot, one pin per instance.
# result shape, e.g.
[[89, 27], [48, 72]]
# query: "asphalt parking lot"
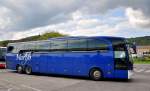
[[12, 81]]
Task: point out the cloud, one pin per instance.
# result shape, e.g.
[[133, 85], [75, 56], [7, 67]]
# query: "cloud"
[[80, 25], [5, 21], [102, 6], [75, 17], [27, 14], [137, 18], [138, 11]]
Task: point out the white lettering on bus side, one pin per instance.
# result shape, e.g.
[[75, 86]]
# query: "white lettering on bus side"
[[24, 57]]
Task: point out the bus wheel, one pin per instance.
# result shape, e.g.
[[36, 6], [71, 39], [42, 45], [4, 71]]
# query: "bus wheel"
[[28, 70], [19, 69], [95, 74]]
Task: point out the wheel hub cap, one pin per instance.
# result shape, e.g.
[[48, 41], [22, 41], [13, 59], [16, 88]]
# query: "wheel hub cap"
[[97, 74]]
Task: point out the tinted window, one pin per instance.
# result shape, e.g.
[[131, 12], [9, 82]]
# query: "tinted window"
[[97, 44], [120, 54], [15, 48], [2, 51], [42, 45], [29, 46], [77, 44], [20, 47], [118, 44], [10, 49], [119, 47], [58, 44]]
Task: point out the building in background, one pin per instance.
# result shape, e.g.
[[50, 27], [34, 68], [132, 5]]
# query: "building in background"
[[143, 51]]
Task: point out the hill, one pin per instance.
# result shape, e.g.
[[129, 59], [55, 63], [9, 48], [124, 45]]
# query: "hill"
[[34, 38], [140, 40]]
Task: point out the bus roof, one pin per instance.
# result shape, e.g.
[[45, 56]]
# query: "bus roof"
[[72, 37], [107, 37]]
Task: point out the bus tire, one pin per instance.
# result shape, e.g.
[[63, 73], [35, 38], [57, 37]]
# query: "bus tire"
[[28, 70], [19, 69], [96, 74]]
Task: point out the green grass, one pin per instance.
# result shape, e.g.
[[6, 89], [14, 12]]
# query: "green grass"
[[141, 60]]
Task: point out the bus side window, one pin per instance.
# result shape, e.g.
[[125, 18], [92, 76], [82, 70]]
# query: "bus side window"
[[77, 44], [10, 49], [59, 45], [97, 44], [44, 45]]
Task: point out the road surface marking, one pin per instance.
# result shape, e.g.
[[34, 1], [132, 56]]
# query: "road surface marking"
[[10, 89], [147, 71], [4, 70], [140, 70], [35, 89], [137, 70], [11, 84]]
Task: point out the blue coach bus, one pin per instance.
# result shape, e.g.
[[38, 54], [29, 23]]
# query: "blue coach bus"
[[94, 57]]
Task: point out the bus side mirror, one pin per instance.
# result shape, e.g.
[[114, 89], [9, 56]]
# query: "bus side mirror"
[[133, 51]]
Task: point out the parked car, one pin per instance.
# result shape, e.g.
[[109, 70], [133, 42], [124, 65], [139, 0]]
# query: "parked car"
[[2, 65], [2, 57], [2, 53]]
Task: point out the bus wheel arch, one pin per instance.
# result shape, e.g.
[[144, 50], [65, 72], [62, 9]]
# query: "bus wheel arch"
[[19, 68], [28, 69], [96, 73]]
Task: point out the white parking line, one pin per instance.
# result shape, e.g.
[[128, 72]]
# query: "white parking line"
[[13, 88], [147, 71], [10, 89], [35, 89], [140, 70], [136, 70], [2, 71], [12, 85]]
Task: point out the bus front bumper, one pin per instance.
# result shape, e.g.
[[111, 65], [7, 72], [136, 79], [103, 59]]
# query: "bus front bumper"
[[130, 74]]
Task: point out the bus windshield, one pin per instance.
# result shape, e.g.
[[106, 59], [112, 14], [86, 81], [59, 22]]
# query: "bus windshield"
[[121, 53]]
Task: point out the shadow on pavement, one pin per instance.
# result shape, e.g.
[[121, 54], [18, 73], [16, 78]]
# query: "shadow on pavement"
[[77, 77]]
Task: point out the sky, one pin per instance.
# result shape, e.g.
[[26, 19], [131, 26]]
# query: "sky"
[[123, 18]]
